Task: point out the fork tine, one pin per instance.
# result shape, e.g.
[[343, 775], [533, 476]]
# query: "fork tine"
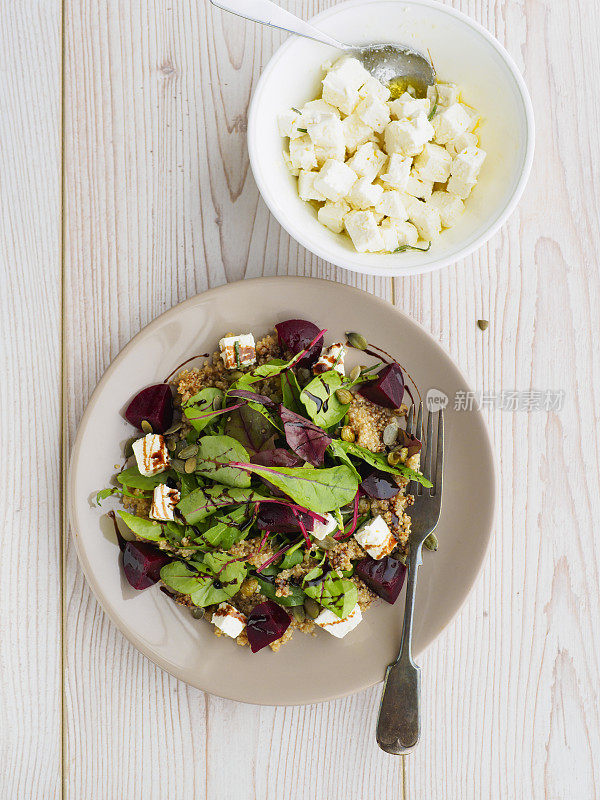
[[417, 431], [427, 462], [410, 421], [439, 458], [419, 427]]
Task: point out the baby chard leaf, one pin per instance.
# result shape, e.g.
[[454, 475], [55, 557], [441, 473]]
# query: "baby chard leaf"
[[320, 400], [214, 454], [379, 460], [305, 438], [134, 479], [204, 502], [339, 595], [147, 529]]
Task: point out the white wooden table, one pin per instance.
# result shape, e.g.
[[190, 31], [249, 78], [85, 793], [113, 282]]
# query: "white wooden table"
[[125, 188]]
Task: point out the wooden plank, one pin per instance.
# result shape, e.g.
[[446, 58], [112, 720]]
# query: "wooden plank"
[[30, 300]]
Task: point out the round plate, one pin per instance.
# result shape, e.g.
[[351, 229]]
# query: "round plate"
[[308, 669]]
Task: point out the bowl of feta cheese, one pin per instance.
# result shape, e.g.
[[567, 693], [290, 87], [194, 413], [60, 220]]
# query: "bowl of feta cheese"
[[379, 179]]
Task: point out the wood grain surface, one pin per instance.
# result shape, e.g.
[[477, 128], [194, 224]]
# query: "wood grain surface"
[[158, 204]]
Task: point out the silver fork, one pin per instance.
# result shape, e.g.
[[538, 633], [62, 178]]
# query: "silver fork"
[[399, 724]]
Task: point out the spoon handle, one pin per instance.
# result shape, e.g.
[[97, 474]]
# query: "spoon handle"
[[268, 13]]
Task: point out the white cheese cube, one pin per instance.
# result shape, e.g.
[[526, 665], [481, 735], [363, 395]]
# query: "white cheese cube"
[[433, 164], [425, 218], [397, 171], [390, 238], [335, 179], [151, 455], [392, 205], [365, 194], [407, 107], [302, 153], [447, 93], [342, 82], [322, 529], [229, 620], [337, 627], [326, 133], [351, 71], [315, 110], [416, 186], [473, 117], [376, 538], [449, 206], [364, 232], [331, 357], [367, 161], [459, 187], [288, 161], [373, 112], [461, 143], [306, 186], [450, 122], [332, 215], [164, 501], [408, 136], [406, 233], [356, 132], [323, 154], [468, 163], [374, 88], [238, 351], [286, 122]]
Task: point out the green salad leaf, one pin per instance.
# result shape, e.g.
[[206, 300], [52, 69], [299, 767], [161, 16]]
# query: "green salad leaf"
[[228, 528], [339, 595], [133, 478], [104, 493], [294, 598], [148, 529], [203, 502], [290, 391], [212, 581], [320, 400], [379, 461], [204, 407], [251, 428], [214, 453], [337, 451]]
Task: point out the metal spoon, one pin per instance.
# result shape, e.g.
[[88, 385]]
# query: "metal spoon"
[[386, 62]]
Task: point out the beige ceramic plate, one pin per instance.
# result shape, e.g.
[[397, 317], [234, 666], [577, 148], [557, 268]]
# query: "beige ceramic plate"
[[308, 669]]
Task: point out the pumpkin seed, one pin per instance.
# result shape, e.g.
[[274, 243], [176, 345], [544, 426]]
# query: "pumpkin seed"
[[402, 558], [178, 465], [190, 464], [347, 434], [403, 454], [357, 340], [174, 428], [299, 613], [146, 427], [431, 542], [328, 543], [312, 608], [390, 434], [197, 613], [482, 324], [394, 458], [129, 446], [344, 396], [355, 374], [303, 376], [188, 452], [171, 445], [235, 375]]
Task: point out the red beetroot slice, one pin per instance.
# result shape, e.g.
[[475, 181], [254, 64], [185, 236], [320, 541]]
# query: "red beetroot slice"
[[385, 577], [154, 404], [267, 622], [379, 485], [281, 519], [142, 563], [388, 389], [297, 334]]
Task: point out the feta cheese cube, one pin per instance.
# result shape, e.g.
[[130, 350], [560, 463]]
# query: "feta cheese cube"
[[373, 112], [425, 218], [390, 238], [238, 351], [351, 71], [461, 143], [323, 154], [450, 122], [473, 117], [364, 232], [468, 163], [302, 153], [151, 455], [406, 233], [376, 538], [450, 207], [164, 501], [367, 161], [397, 171], [374, 88], [331, 357], [391, 205], [335, 179], [285, 122], [322, 529], [306, 186], [315, 110], [407, 107], [365, 194], [356, 132], [408, 136], [416, 186], [288, 161], [337, 627], [433, 164], [327, 133], [342, 82], [332, 215], [459, 187], [447, 93], [229, 620]]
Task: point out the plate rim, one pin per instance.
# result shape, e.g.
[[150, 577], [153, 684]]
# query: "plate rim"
[[95, 586]]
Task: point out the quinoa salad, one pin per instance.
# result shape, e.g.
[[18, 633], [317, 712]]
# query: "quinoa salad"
[[266, 490]]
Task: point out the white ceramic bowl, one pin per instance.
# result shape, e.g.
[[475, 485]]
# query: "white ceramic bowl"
[[463, 52]]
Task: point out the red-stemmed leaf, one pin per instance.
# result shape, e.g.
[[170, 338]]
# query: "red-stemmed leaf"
[[304, 437]]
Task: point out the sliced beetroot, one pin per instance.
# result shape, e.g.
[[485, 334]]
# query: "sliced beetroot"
[[304, 437], [379, 485], [280, 518], [142, 563], [154, 404], [295, 335], [385, 577], [267, 622], [388, 388]]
